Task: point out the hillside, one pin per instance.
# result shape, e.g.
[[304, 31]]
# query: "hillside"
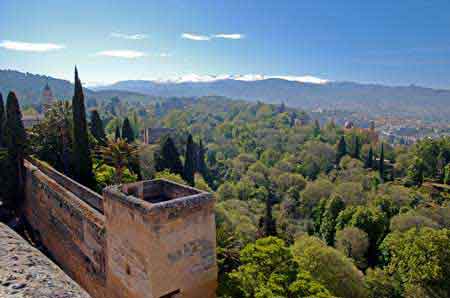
[[28, 88], [377, 100], [408, 101]]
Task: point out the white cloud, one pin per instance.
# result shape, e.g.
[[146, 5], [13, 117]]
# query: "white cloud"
[[164, 55], [230, 36], [30, 47], [129, 36], [128, 54], [195, 37]]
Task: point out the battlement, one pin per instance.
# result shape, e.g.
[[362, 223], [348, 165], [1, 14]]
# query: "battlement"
[[147, 239]]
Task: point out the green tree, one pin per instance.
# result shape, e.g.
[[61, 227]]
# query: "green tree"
[[51, 140], [117, 133], [127, 131], [341, 149], [97, 129], [268, 270], [420, 258], [120, 155], [268, 223], [447, 174], [370, 220], [306, 286], [354, 243], [380, 284], [329, 267], [356, 147], [368, 164], [328, 226], [381, 163], [81, 154], [415, 172], [201, 166], [189, 161], [2, 120], [316, 129], [16, 141], [168, 158]]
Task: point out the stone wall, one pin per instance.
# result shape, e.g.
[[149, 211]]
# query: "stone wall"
[[70, 229], [26, 272], [149, 239], [92, 198]]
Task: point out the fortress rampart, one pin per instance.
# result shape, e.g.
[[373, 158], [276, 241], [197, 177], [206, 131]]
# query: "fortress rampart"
[[150, 239]]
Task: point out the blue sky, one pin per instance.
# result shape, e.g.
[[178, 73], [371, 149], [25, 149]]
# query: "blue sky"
[[390, 42]]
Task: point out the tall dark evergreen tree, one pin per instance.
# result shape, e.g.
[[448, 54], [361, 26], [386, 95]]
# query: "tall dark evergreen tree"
[[316, 130], [97, 129], [15, 139], [328, 224], [127, 131], [81, 153], [2, 121], [369, 159], [117, 133], [341, 149], [356, 147], [189, 161], [168, 158], [269, 224], [381, 162], [202, 168]]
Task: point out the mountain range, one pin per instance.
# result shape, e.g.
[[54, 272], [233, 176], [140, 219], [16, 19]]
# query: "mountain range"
[[306, 92], [378, 100]]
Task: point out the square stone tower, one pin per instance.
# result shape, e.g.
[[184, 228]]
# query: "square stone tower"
[[161, 241]]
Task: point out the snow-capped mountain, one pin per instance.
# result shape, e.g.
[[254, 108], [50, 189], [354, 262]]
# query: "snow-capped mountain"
[[195, 78]]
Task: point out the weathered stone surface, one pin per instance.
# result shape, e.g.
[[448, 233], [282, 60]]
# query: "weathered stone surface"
[[159, 247], [149, 239], [26, 272], [70, 229]]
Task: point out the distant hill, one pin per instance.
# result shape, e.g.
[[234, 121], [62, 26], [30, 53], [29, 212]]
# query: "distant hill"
[[378, 100], [374, 100], [28, 88]]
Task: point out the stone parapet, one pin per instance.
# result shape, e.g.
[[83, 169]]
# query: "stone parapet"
[[26, 273]]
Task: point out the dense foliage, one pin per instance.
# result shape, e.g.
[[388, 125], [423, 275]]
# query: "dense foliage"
[[303, 208], [334, 196]]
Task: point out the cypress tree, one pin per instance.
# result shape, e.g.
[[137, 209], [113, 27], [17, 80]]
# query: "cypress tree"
[[82, 156], [97, 129], [381, 164], [268, 224], [316, 130], [328, 224], [2, 120], [369, 159], [127, 131], [15, 139], [117, 133], [341, 149], [356, 147], [189, 161], [201, 163], [415, 172], [169, 158]]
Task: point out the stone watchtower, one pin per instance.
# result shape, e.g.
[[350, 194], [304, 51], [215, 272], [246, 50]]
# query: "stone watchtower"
[[161, 241], [47, 97]]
